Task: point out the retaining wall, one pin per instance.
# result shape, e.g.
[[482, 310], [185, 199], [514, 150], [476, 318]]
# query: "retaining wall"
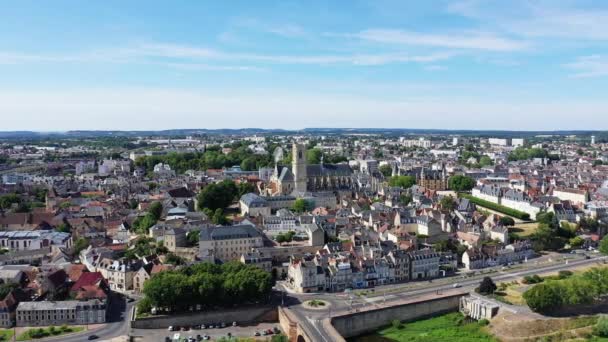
[[241, 316], [360, 323]]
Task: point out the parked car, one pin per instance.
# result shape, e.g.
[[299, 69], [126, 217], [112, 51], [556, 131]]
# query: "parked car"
[[456, 285], [276, 330], [171, 328], [93, 337], [234, 324], [257, 333], [167, 339]]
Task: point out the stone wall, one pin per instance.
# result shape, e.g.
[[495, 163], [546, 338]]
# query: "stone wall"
[[241, 315], [360, 323]]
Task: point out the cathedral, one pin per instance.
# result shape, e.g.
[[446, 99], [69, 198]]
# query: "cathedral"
[[302, 177]]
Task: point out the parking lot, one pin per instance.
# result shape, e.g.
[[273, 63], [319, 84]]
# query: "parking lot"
[[211, 333]]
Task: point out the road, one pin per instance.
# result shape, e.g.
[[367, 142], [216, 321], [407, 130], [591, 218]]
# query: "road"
[[118, 324], [311, 320]]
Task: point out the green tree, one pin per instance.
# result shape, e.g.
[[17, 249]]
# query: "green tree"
[[249, 164], [193, 237], [576, 242], [6, 201], [543, 297], [6, 288], [80, 244], [405, 199], [313, 156], [386, 170], [156, 210], [448, 203], [601, 327], [487, 286], [245, 188], [63, 228], [217, 195], [301, 205], [507, 221], [604, 245], [219, 217], [404, 182], [461, 183], [280, 238], [485, 161]]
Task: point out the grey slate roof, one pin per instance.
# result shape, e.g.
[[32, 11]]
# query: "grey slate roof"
[[228, 233]]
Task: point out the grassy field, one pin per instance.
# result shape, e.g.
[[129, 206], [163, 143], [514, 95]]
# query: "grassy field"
[[524, 229], [442, 328], [6, 334], [37, 333]]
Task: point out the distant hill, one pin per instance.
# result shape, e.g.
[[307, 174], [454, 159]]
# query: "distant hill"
[[262, 131]]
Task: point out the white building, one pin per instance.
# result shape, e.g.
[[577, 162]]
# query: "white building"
[[47, 313]]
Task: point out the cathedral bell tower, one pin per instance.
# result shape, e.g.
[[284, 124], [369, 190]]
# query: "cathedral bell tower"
[[298, 167]]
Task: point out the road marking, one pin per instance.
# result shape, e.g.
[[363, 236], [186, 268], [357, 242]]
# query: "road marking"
[[314, 325]]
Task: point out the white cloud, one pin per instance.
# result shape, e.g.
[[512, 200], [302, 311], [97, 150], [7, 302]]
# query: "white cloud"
[[549, 19], [181, 55], [471, 40], [589, 66], [435, 68]]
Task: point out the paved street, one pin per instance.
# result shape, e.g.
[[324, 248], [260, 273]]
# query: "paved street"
[[154, 335]]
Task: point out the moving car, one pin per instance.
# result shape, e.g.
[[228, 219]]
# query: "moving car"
[[93, 337]]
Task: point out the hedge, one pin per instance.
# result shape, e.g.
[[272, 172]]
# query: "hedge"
[[497, 207]]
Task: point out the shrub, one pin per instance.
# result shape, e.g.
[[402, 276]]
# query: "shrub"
[[483, 322], [497, 207], [533, 279], [564, 274], [601, 328], [396, 324], [487, 286]]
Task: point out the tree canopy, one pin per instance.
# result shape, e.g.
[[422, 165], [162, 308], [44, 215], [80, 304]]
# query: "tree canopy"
[[574, 290], [208, 285], [386, 170], [404, 182], [448, 203], [217, 195], [487, 286], [522, 153], [213, 158], [301, 205], [461, 183]]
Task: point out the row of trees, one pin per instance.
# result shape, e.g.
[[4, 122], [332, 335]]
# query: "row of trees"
[[552, 295], [206, 284], [212, 158], [522, 153], [497, 207]]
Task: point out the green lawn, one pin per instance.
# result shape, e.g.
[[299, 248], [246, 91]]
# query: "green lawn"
[[441, 328], [6, 334], [36, 333]]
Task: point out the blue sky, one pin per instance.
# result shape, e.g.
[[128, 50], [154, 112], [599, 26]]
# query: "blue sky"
[[292, 64]]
